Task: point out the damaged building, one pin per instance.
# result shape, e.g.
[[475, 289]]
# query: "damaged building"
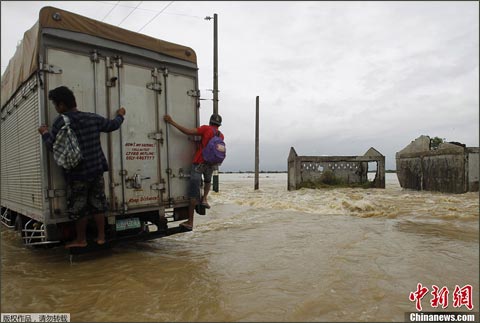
[[308, 171], [451, 167]]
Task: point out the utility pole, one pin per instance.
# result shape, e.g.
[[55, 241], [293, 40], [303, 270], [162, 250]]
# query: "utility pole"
[[257, 157], [215, 63], [215, 84]]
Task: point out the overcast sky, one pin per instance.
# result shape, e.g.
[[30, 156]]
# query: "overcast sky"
[[334, 78]]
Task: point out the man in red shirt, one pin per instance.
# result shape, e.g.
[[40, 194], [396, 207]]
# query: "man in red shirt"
[[199, 167]]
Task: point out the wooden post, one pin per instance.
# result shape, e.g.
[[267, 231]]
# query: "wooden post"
[[257, 159]]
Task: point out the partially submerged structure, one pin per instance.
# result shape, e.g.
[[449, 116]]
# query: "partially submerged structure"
[[451, 168], [307, 171]]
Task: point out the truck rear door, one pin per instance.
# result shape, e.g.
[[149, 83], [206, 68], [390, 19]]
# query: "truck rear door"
[[149, 162]]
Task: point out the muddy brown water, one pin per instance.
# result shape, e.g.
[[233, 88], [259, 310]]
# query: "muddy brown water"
[[266, 255]]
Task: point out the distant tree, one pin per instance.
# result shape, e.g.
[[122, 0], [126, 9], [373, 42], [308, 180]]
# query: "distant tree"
[[435, 142]]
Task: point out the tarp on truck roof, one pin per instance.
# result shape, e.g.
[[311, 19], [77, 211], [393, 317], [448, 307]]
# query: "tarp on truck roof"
[[25, 60]]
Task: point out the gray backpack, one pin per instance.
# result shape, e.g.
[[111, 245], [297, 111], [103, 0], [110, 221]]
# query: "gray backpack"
[[66, 150]]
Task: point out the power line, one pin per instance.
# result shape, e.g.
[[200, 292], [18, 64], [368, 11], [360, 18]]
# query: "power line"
[[125, 6], [111, 10], [180, 14], [157, 15], [156, 11], [130, 13]]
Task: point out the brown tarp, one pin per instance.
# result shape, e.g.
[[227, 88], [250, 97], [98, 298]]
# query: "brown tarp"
[[25, 61], [23, 64]]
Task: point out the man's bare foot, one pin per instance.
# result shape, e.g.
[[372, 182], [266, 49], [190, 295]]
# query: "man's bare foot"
[[100, 241], [187, 226], [205, 203], [76, 244]]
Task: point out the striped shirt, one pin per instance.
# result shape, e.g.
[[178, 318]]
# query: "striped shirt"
[[87, 126]]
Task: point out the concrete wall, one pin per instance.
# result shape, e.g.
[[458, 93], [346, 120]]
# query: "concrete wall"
[[444, 173], [451, 168], [349, 170], [473, 169], [409, 173]]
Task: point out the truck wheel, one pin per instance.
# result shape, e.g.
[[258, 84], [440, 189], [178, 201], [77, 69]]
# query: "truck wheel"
[[19, 223]]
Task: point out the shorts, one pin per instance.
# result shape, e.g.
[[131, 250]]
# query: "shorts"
[[196, 179], [86, 198]]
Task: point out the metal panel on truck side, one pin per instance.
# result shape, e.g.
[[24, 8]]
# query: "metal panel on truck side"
[[29, 152], [21, 184]]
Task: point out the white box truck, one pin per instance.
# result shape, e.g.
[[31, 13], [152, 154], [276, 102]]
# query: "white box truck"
[[106, 67]]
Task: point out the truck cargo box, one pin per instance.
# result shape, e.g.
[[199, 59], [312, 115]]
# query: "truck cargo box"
[[106, 67]]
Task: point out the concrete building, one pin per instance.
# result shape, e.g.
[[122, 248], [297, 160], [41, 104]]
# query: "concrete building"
[[450, 168], [332, 170]]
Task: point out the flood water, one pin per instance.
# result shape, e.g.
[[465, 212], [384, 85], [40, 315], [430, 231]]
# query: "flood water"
[[268, 255]]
